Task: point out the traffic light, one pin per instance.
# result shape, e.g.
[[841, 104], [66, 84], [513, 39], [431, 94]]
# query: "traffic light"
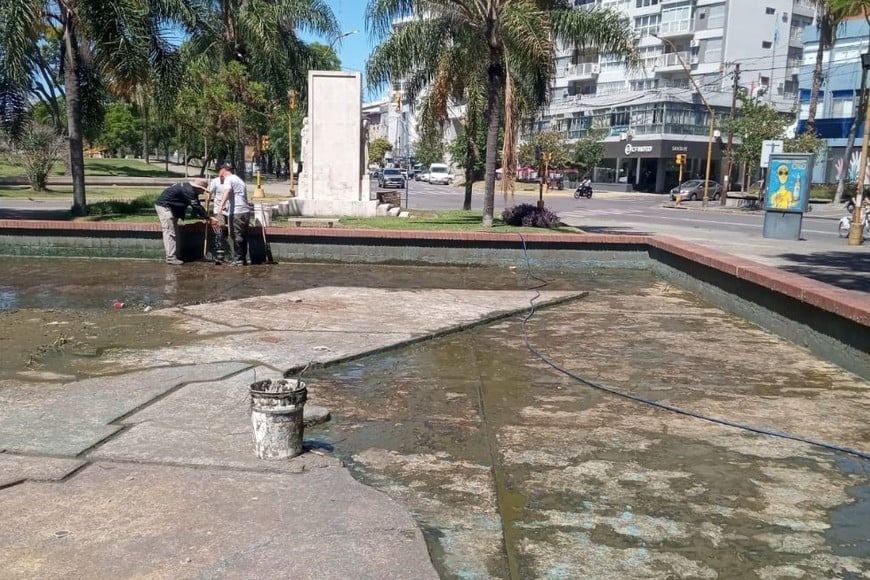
[[264, 143], [292, 100], [681, 158], [397, 96], [537, 154]]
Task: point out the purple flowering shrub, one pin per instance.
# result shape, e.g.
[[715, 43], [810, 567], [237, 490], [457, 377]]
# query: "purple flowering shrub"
[[528, 215]]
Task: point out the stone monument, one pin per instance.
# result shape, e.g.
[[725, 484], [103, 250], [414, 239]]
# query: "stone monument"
[[334, 179]]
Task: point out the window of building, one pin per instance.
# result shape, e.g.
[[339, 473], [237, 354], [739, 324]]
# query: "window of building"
[[770, 10], [713, 50], [842, 107], [647, 25], [645, 3], [716, 16], [644, 84], [611, 88], [676, 19], [766, 44]]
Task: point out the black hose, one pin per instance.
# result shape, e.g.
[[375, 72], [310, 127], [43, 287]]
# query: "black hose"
[[651, 402]]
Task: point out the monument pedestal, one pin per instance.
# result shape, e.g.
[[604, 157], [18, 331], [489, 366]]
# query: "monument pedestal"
[[334, 179]]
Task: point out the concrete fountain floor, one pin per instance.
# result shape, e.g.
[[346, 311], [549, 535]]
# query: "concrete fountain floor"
[[127, 445]]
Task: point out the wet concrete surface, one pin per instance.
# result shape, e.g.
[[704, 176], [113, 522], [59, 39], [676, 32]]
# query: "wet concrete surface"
[[511, 469], [515, 470]]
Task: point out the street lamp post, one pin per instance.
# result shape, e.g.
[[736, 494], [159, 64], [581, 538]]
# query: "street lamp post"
[[709, 111], [856, 231], [340, 36]]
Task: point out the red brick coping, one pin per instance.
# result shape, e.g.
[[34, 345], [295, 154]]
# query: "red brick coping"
[[849, 304]]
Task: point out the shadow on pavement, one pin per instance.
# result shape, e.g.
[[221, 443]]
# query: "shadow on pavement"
[[848, 270]]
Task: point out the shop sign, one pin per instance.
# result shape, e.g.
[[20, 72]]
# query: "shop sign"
[[629, 148]]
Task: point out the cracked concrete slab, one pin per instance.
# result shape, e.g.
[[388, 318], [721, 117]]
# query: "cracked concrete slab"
[[203, 424], [323, 324], [122, 521], [67, 419], [15, 468]]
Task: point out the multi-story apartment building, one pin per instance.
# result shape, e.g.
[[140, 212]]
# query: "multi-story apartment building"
[[652, 112], [838, 98]]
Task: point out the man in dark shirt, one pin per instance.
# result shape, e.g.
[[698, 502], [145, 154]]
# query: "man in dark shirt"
[[171, 207]]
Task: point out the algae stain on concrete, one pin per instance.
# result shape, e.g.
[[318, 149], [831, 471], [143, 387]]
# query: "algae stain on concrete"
[[570, 483]]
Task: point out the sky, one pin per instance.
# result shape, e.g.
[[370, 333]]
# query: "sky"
[[353, 50]]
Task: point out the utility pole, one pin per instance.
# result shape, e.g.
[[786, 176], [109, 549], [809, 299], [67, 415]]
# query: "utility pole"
[[734, 89]]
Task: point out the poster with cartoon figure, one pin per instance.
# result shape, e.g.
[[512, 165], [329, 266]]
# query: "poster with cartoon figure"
[[788, 182]]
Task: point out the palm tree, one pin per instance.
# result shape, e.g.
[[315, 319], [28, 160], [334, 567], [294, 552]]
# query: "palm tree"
[[850, 8], [438, 62], [100, 39], [263, 36], [828, 19], [508, 37]]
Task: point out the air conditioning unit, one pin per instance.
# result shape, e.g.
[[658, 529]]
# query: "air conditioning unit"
[[595, 69], [694, 59], [694, 43]]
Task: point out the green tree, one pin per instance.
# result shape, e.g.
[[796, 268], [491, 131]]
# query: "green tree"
[[516, 39], [40, 148], [378, 148], [117, 40], [754, 123], [121, 129], [430, 147], [552, 149], [588, 151], [224, 106]]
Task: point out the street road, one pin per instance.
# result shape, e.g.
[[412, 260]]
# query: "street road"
[[820, 254]]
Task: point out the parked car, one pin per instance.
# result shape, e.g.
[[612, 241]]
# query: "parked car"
[[440, 173], [391, 178], [422, 176], [694, 189]]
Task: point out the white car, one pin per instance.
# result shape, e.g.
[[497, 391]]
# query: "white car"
[[439, 173], [422, 176]]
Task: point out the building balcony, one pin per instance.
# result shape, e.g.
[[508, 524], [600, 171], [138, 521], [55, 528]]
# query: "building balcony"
[[581, 71], [673, 61], [676, 29], [804, 7]]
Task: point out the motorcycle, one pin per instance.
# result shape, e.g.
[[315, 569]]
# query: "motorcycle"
[[846, 224], [584, 190]]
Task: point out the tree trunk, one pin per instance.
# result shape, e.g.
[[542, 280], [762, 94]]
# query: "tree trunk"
[[495, 76], [817, 81], [470, 162], [71, 65], [145, 144], [847, 156]]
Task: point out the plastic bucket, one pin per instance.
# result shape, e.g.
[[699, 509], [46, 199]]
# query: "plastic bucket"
[[277, 417]]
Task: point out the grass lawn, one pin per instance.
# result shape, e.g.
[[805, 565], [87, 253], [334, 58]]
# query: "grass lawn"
[[9, 167], [446, 220], [141, 210]]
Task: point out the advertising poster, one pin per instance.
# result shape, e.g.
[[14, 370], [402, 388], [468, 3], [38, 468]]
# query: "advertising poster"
[[788, 183]]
